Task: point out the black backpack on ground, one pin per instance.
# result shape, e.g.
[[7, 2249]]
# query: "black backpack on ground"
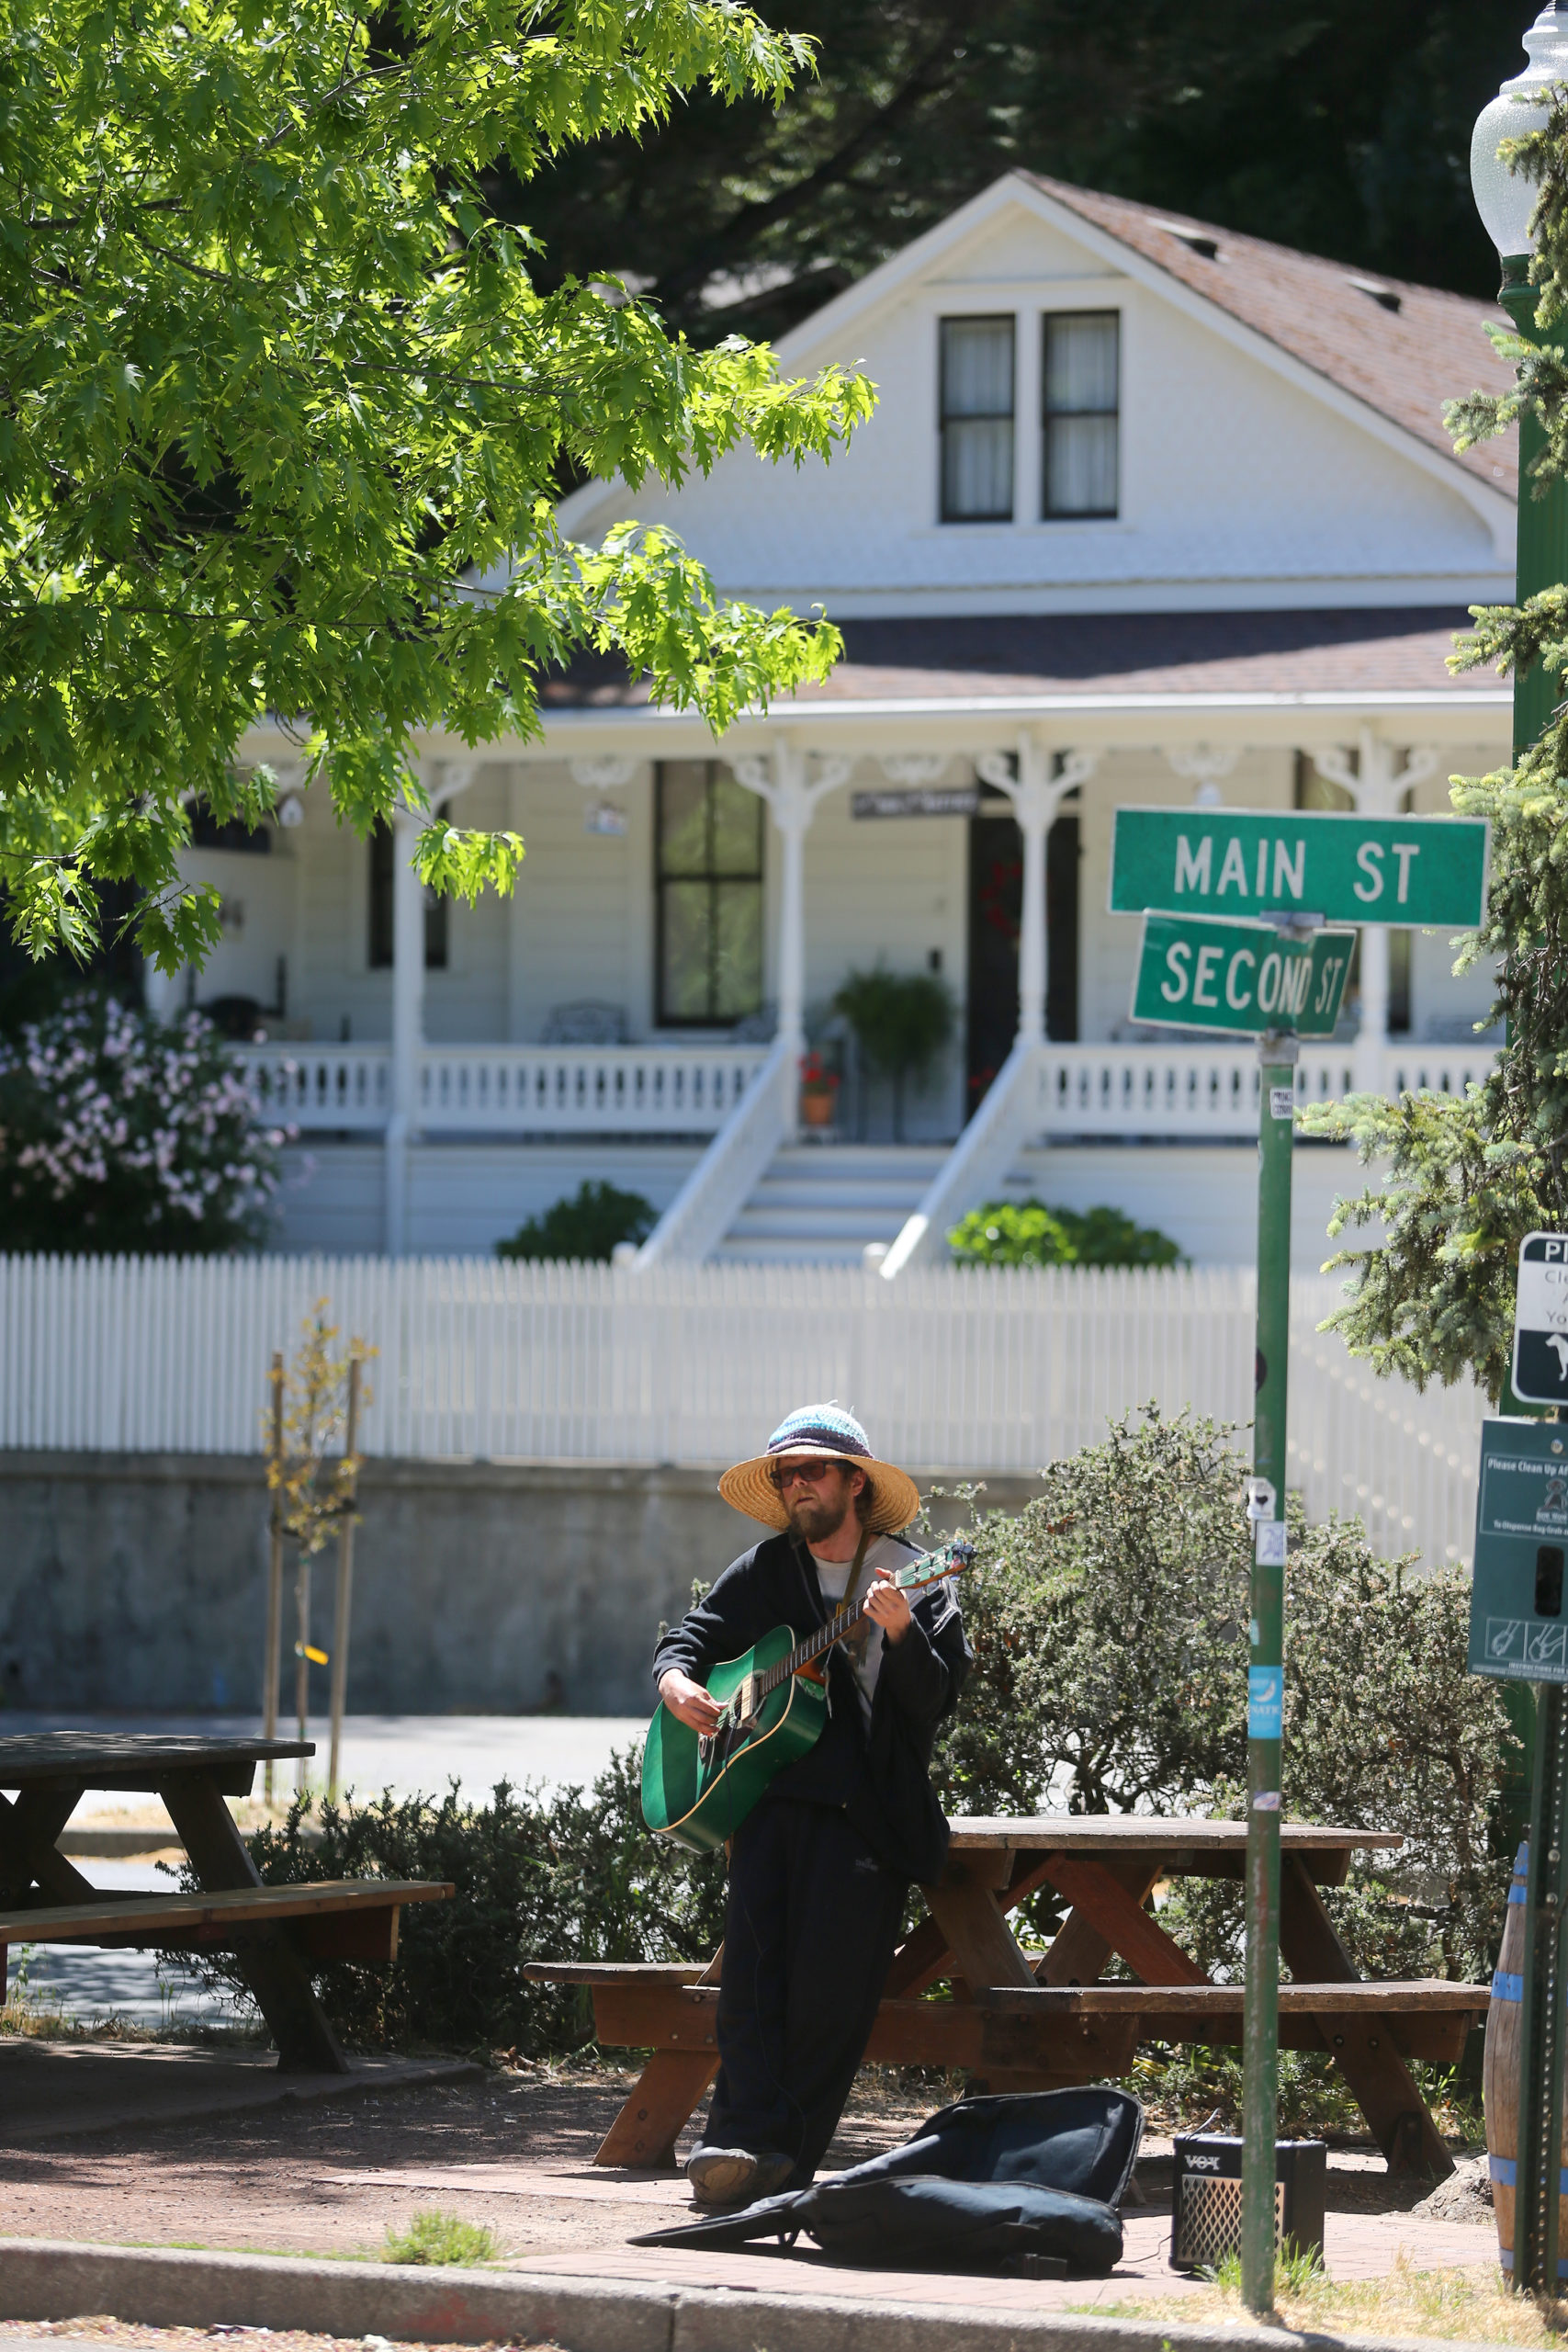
[[1026, 2181]]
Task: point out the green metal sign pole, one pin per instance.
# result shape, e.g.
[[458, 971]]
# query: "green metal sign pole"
[[1266, 1674], [1538, 2163], [1542, 562]]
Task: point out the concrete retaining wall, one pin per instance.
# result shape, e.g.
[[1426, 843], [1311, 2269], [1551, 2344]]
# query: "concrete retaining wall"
[[133, 1581]]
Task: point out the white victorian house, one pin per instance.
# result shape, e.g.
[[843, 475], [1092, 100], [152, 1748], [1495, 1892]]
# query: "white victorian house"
[[1149, 511]]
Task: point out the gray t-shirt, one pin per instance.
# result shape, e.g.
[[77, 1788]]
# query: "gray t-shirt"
[[833, 1576]]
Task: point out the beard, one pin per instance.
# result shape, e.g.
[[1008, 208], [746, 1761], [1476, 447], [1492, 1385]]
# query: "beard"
[[816, 1513]]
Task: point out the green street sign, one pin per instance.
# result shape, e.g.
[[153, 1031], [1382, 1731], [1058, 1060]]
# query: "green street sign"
[[1240, 978], [1416, 870], [1517, 1629]]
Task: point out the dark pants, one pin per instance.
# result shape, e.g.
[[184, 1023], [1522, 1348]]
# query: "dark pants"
[[811, 1920]]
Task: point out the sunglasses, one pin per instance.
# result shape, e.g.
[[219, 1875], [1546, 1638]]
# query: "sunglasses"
[[810, 1474]]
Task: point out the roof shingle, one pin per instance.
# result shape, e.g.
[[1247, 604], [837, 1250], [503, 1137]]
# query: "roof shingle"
[[974, 656]]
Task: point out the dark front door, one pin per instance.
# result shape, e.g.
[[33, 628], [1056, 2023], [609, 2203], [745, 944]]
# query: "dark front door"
[[996, 906]]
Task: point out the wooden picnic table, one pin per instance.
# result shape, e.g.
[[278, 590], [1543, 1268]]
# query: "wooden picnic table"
[[1015, 2022], [274, 1931]]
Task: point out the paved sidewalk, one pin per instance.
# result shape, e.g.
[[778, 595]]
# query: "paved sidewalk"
[[514, 2152], [521, 2200]]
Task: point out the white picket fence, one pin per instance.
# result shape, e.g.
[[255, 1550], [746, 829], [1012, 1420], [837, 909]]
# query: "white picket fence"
[[957, 1371]]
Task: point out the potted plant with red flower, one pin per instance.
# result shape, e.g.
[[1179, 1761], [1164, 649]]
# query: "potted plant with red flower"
[[819, 1087]]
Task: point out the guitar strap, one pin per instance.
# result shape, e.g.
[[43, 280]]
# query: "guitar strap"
[[860, 1580]]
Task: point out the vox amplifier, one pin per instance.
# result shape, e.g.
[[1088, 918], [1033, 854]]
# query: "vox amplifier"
[[1206, 2197]]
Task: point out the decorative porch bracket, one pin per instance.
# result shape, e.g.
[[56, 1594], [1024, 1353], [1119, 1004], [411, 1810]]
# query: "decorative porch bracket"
[[792, 795], [1036, 794]]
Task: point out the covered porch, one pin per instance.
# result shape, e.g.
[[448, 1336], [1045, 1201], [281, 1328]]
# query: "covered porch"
[[952, 821]]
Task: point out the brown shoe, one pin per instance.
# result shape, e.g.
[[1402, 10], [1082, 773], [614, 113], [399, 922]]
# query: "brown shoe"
[[724, 2177]]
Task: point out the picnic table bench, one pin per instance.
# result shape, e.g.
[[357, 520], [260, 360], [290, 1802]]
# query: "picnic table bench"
[[1018, 2023], [274, 1931]]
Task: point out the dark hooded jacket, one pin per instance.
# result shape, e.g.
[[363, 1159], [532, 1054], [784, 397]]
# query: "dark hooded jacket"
[[877, 1774]]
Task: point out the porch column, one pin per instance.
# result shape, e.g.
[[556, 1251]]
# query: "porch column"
[[783, 781], [1377, 786], [1036, 794], [408, 1021], [402, 1127]]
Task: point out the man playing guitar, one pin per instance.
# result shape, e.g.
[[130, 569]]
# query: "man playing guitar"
[[820, 1870]]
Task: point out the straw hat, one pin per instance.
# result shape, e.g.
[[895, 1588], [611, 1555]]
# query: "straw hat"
[[826, 1433]]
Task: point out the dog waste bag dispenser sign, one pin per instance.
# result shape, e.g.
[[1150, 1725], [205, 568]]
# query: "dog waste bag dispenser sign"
[[1233, 862], [1242, 978], [1540, 1321], [1518, 1629]]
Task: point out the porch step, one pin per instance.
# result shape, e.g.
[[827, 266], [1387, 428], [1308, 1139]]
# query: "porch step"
[[820, 1204]]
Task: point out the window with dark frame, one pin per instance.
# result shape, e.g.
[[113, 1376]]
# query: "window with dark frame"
[[708, 888], [976, 414], [233, 833], [1081, 403], [381, 846]]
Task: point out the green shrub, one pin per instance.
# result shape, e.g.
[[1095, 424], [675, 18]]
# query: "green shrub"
[[1108, 1625], [571, 1877], [587, 1225], [1027, 1233], [901, 1020]]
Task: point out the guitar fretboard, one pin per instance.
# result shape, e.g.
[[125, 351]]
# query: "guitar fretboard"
[[838, 1625], [848, 1614]]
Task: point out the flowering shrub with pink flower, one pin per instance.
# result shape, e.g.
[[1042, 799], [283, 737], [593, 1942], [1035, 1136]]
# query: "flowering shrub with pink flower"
[[121, 1132]]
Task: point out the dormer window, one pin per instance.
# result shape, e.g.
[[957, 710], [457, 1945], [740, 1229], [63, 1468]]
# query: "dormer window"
[[1081, 384], [977, 420]]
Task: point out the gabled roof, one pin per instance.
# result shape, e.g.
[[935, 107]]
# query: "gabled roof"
[[1402, 349]]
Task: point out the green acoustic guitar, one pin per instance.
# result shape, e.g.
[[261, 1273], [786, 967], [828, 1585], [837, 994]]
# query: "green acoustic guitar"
[[698, 1788]]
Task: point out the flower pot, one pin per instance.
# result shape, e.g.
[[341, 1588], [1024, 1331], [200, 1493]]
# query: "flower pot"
[[817, 1110]]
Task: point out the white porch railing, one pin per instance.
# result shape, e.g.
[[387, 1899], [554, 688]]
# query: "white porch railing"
[[509, 1089], [1163, 1092], [961, 1370], [1169, 1093]]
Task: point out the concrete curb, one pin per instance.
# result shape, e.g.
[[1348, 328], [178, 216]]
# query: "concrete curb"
[[51, 2278]]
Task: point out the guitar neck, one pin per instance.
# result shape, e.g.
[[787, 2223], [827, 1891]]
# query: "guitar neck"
[[838, 1625]]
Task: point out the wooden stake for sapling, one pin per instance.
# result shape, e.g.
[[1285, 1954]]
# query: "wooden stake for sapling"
[[345, 1579], [271, 1660], [301, 1659]]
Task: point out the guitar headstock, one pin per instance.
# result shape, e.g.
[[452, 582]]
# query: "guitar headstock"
[[936, 1566]]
